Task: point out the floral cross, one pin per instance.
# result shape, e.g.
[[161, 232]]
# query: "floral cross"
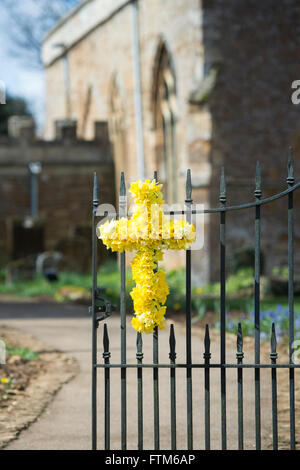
[[148, 232]]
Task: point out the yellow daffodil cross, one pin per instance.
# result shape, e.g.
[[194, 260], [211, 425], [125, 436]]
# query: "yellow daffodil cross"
[[148, 232]]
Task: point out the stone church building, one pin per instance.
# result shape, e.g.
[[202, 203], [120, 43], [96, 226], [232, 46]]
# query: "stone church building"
[[187, 84]]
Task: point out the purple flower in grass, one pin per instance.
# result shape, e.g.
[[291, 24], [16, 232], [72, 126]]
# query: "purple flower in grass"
[[263, 336], [297, 323]]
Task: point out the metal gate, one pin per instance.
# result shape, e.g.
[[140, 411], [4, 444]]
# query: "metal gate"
[[101, 309]]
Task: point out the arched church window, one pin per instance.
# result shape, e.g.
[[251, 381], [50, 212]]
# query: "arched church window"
[[165, 123]]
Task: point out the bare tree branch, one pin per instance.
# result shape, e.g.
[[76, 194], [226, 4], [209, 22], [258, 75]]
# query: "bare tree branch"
[[28, 23]]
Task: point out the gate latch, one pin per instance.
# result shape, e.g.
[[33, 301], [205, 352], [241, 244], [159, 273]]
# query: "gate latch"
[[106, 309]]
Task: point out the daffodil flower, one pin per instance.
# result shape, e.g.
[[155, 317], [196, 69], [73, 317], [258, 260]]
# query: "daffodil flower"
[[148, 232]]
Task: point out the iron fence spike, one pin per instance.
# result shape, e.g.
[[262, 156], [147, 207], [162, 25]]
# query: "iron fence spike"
[[139, 342], [155, 176], [122, 185], [139, 347], [95, 190], [223, 195], [172, 343], [239, 340], [257, 192], [172, 340], [290, 178], [105, 339], [188, 186], [207, 339], [273, 339]]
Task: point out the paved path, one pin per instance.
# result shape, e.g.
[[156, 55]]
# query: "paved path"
[[65, 424]]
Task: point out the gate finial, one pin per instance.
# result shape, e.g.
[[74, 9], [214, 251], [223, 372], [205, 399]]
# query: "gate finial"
[[95, 191], [122, 185], [239, 343], [188, 187], [290, 179], [172, 343], [223, 196], [139, 347], [122, 197], [106, 353], [273, 354], [207, 339], [257, 192], [207, 354]]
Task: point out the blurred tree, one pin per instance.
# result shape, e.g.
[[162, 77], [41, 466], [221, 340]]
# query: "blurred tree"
[[14, 106], [29, 21]]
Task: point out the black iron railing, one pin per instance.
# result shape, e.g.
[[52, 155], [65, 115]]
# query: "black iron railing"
[[189, 365]]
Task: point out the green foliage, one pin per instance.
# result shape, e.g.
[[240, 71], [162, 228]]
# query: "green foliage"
[[109, 278], [176, 281], [24, 353], [71, 294], [239, 289], [235, 284], [13, 106], [281, 271]]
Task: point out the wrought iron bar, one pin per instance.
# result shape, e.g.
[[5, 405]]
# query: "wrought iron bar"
[[123, 210], [139, 358], [189, 386], [216, 210], [290, 182], [155, 389], [273, 357], [201, 366], [257, 195], [223, 307], [94, 314], [155, 377], [207, 356], [240, 357], [172, 356], [106, 357]]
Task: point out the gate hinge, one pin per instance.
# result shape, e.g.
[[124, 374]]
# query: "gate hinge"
[[106, 309]]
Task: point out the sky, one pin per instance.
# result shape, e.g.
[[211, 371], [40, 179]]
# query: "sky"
[[19, 79]]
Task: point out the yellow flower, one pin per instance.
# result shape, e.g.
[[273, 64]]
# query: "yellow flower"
[[176, 306], [199, 290], [4, 380], [148, 232]]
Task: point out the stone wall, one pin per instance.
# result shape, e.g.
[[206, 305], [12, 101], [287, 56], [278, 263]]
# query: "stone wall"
[[64, 189], [254, 46]]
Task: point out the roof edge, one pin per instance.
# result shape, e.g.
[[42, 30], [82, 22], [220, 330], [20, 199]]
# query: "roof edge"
[[77, 24], [65, 18]]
